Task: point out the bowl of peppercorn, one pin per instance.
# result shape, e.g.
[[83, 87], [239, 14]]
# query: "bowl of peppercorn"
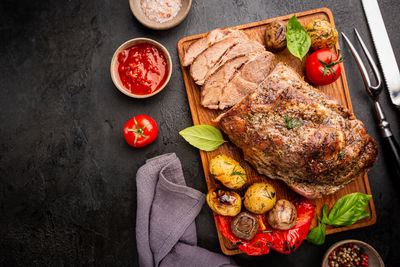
[[352, 253]]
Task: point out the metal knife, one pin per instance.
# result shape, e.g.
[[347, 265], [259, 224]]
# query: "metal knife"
[[384, 49]]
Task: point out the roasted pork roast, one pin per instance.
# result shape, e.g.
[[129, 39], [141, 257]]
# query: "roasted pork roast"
[[290, 131]]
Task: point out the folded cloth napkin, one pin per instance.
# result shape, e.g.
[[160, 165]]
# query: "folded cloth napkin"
[[166, 209]]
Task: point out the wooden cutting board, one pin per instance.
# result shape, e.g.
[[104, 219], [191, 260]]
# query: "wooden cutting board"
[[201, 115]]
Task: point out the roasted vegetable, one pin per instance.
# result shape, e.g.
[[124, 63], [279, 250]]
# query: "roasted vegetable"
[[228, 171], [259, 198], [283, 215], [322, 34], [244, 226], [283, 241], [275, 36], [223, 202]]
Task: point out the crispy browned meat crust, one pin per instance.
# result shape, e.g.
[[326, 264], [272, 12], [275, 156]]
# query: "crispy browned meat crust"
[[290, 131]]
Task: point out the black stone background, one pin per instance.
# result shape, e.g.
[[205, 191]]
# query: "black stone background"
[[67, 177]]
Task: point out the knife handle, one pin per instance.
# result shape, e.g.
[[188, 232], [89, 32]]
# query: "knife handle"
[[387, 135], [395, 148]]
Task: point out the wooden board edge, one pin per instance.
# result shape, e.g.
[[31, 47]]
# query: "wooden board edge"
[[343, 79], [224, 249]]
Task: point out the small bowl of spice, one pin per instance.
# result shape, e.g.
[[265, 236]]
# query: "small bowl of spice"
[[141, 67], [352, 253], [160, 14]]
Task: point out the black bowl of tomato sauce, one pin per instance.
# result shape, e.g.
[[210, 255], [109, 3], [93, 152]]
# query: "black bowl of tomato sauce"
[[141, 67]]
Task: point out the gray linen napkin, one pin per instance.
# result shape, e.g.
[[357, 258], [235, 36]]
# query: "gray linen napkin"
[[166, 209]]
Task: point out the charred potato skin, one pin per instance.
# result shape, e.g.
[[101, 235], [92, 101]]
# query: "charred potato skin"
[[260, 198], [226, 203], [275, 36], [283, 215], [228, 171], [244, 226], [322, 34]]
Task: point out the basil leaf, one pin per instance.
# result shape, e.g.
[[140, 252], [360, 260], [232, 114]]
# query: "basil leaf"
[[317, 235], [298, 41], [348, 209], [204, 137], [325, 214]]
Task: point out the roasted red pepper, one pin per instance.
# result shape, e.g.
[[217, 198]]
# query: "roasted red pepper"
[[284, 241]]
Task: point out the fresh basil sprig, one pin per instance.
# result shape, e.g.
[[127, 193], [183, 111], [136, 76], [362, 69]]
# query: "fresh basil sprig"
[[204, 137], [317, 235], [298, 41], [346, 211]]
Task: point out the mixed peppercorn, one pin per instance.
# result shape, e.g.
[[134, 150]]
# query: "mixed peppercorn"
[[348, 255]]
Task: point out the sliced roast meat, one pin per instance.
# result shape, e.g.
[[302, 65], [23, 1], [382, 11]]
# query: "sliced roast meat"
[[240, 49], [212, 37], [247, 79], [209, 57], [212, 88]]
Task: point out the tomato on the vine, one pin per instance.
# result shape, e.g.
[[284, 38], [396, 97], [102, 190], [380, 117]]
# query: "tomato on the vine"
[[140, 131], [322, 67]]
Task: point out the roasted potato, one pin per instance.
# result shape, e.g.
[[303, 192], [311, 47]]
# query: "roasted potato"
[[224, 202], [228, 171], [260, 198], [283, 216], [275, 36], [322, 34]]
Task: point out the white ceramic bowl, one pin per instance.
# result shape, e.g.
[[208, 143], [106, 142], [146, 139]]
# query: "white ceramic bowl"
[[114, 70], [142, 18]]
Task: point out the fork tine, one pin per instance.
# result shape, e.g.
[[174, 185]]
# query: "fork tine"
[[360, 64], [371, 61]]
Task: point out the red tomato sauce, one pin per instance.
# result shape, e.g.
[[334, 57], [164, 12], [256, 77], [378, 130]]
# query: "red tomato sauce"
[[142, 68]]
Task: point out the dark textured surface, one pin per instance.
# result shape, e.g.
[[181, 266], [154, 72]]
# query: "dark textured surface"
[[67, 177]]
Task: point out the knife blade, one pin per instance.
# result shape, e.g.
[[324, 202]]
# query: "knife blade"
[[383, 48]]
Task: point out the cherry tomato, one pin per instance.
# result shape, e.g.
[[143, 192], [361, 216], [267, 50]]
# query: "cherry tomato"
[[140, 131], [322, 67]]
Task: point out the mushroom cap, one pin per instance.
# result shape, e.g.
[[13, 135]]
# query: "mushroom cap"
[[275, 36], [244, 226], [283, 215]]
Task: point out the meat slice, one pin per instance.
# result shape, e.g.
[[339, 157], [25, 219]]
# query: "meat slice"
[[213, 36], [290, 131], [247, 79], [207, 59], [237, 77], [240, 49], [212, 88]]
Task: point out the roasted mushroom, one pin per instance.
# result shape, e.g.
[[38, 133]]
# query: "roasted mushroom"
[[260, 198], [244, 226], [223, 202], [283, 216], [228, 171], [275, 36]]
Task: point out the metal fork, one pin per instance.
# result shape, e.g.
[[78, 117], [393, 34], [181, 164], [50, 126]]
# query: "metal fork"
[[374, 91]]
